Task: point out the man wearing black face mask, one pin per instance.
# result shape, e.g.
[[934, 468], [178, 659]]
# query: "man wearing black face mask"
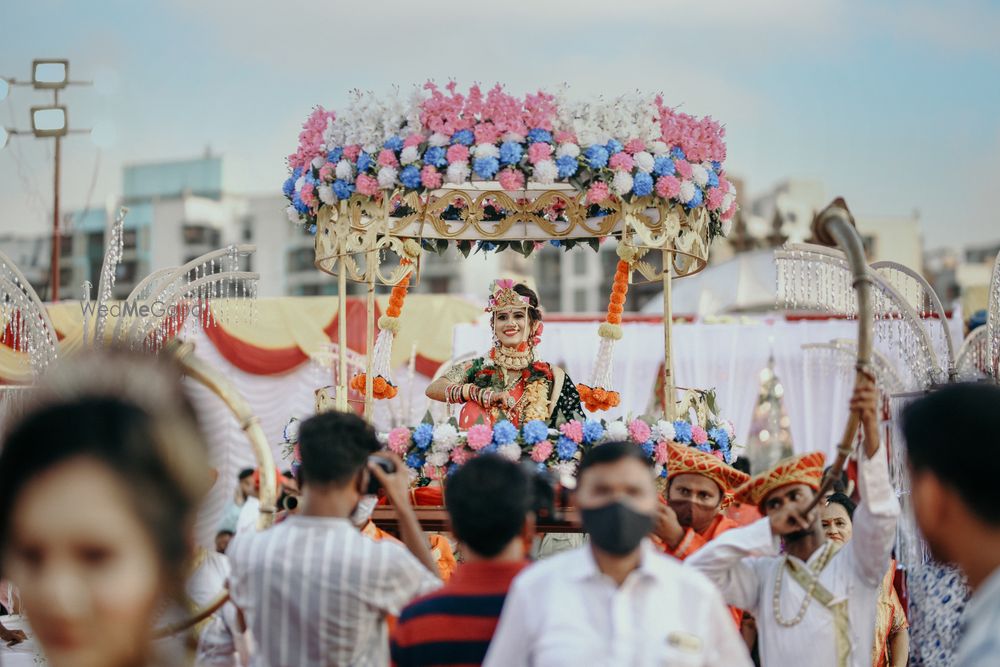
[[615, 601]]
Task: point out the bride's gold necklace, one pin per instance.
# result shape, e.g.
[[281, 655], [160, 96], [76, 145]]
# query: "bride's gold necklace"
[[512, 359]]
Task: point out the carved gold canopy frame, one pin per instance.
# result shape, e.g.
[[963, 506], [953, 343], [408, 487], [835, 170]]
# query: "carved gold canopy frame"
[[361, 239]]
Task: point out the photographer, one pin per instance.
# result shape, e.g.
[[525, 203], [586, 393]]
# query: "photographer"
[[313, 589]]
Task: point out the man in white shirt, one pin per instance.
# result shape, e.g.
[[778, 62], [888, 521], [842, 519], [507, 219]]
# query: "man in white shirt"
[[616, 601], [814, 605], [313, 590], [956, 501]]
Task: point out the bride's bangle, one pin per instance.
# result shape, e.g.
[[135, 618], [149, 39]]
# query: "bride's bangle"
[[453, 393]]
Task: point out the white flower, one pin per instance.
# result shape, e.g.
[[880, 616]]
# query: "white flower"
[[293, 215], [445, 437], [438, 139], [410, 154], [437, 459], [727, 200], [345, 171], [566, 470], [687, 192], [699, 174], [622, 183], [727, 229], [511, 451], [664, 430], [643, 161], [657, 470], [299, 182], [458, 173], [387, 177], [318, 162], [291, 432], [617, 430], [545, 172], [325, 194], [487, 150], [568, 148], [659, 148], [513, 136]]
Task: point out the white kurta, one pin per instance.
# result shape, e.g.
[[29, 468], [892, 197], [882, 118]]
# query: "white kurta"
[[563, 612], [744, 564]]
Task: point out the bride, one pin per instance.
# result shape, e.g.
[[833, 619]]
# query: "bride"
[[510, 383]]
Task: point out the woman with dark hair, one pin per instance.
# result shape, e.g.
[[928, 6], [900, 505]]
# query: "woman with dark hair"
[[510, 382], [99, 485], [891, 648]]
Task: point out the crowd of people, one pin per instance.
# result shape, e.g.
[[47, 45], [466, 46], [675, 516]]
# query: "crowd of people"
[[102, 478]]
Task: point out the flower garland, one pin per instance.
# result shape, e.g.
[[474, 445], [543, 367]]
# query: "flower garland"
[[597, 396], [633, 146], [537, 378]]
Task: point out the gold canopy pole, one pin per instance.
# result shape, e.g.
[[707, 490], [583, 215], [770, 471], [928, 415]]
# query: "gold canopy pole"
[[669, 394], [342, 326], [370, 336]]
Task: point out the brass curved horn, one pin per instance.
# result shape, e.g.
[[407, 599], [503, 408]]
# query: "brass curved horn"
[[835, 225]]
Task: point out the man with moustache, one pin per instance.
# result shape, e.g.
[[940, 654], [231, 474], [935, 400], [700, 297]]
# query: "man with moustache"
[[815, 604]]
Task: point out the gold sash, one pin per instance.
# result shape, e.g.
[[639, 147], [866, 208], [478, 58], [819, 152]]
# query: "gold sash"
[[841, 621]]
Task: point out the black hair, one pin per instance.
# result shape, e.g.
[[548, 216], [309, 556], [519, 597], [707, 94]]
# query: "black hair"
[[845, 502], [949, 433], [534, 311], [225, 531], [246, 472], [742, 464], [839, 484], [488, 499], [611, 452], [334, 446]]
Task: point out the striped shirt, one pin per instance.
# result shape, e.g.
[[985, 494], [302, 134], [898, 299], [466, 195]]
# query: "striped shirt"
[[315, 592], [454, 625]]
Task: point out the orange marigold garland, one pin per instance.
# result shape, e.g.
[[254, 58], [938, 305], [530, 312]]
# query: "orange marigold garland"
[[388, 324], [597, 396]]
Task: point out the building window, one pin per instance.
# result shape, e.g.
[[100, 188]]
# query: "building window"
[[129, 239], [65, 246], [126, 271], [201, 234], [438, 285], [301, 259], [579, 301]]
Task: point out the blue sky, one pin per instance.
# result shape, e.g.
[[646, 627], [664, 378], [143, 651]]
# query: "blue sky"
[[895, 105]]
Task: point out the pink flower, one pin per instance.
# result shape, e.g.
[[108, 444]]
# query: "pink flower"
[[326, 172], [668, 187], [598, 192], [723, 185], [541, 452], [399, 440], [539, 151], [430, 177], [461, 455], [458, 153], [311, 138], [387, 158], [414, 139], [718, 454], [715, 197], [434, 472], [634, 146], [308, 194], [564, 137], [698, 435], [296, 454], [367, 185], [511, 179], [478, 436], [661, 453], [683, 169], [352, 152], [486, 133], [639, 431], [730, 212], [621, 161], [573, 430]]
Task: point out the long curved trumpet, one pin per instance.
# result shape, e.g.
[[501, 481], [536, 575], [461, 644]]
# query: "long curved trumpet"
[[835, 226]]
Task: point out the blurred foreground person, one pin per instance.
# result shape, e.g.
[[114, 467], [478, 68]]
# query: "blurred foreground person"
[[99, 483]]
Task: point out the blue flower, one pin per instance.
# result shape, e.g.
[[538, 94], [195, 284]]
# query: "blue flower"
[[614, 146], [299, 205], [296, 173], [435, 155], [556, 243], [364, 161], [288, 187], [510, 152], [486, 246], [504, 433], [597, 156], [464, 137], [682, 431], [309, 178], [713, 179], [541, 467], [716, 165], [663, 473], [538, 135], [534, 432], [593, 431], [664, 166], [720, 436], [566, 448], [489, 449], [415, 461], [697, 200], [422, 436], [452, 467], [705, 447], [342, 189], [410, 177], [394, 143], [335, 155], [677, 153], [647, 448], [486, 167], [312, 229], [642, 184], [567, 165]]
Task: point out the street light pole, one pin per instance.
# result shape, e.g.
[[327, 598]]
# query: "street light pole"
[[56, 236]]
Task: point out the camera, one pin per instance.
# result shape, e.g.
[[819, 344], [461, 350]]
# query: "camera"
[[386, 465], [289, 502]]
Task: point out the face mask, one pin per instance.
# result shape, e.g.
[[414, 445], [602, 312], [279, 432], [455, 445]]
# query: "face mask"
[[364, 510], [616, 527]]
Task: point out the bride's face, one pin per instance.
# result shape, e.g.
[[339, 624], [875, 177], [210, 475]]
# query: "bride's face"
[[511, 327]]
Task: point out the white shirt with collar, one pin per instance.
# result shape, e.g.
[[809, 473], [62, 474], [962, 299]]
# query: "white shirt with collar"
[[745, 563], [980, 642], [564, 611]]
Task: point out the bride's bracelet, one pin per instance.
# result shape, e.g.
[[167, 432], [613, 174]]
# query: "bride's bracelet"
[[455, 393]]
